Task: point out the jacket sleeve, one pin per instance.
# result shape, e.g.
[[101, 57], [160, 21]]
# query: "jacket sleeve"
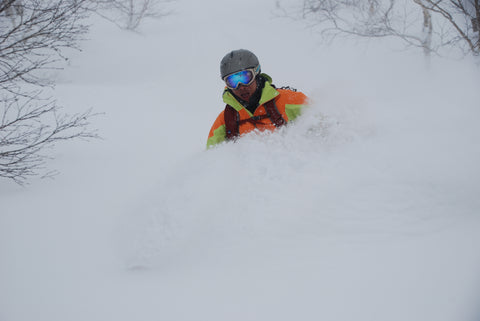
[[217, 132], [294, 105]]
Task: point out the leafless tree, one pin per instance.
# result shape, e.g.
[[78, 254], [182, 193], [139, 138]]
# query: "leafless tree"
[[36, 42], [28, 128], [12, 9], [32, 43], [128, 14], [433, 25]]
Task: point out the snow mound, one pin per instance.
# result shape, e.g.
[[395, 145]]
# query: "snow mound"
[[349, 166]]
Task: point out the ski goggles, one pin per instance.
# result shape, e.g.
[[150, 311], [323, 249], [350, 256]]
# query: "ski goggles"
[[244, 77]]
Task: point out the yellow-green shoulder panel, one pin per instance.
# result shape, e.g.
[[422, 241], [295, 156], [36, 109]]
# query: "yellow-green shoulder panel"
[[218, 136], [293, 111]]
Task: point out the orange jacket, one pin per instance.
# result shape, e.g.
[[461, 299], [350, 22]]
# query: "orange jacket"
[[288, 103]]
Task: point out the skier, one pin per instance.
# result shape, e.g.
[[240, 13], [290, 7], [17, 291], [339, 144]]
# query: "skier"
[[252, 101]]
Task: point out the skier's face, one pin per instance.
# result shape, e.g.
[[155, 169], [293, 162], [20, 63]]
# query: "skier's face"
[[245, 92]]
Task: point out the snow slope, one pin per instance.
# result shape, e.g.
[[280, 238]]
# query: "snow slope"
[[366, 208]]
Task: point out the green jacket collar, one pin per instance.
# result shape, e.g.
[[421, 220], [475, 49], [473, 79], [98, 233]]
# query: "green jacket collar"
[[268, 93]]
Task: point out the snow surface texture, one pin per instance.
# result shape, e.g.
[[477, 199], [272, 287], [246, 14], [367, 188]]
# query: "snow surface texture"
[[365, 209]]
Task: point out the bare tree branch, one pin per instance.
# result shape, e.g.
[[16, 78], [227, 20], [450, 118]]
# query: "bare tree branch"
[[36, 40], [28, 127], [34, 34], [436, 26], [129, 14]]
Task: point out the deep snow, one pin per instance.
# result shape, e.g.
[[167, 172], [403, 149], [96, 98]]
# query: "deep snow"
[[366, 208]]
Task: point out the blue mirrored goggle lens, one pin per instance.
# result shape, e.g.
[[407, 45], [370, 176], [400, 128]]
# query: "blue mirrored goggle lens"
[[244, 77]]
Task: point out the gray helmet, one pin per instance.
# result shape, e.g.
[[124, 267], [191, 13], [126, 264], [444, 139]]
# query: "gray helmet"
[[237, 60]]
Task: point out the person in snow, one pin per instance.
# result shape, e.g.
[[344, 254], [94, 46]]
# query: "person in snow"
[[252, 101]]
